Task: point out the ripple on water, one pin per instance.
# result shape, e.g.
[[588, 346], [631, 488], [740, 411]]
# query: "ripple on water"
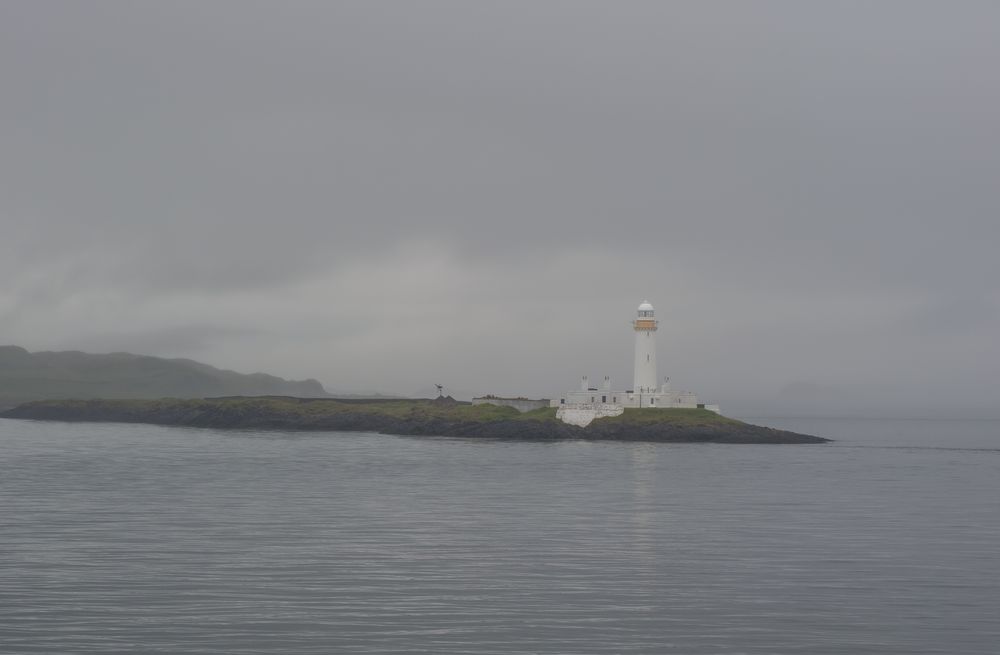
[[136, 538]]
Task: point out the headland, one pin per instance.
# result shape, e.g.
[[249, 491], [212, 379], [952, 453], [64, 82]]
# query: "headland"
[[439, 417]]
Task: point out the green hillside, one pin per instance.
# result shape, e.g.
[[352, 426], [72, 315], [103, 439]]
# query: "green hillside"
[[28, 376]]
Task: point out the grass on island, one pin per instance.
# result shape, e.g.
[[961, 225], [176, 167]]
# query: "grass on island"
[[407, 409], [415, 409], [674, 415]]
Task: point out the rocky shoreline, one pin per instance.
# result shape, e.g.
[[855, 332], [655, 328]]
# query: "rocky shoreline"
[[424, 417]]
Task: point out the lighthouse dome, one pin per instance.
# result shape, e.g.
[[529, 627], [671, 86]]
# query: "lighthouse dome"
[[645, 306]]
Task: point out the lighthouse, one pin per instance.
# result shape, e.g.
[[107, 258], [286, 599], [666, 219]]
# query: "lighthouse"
[[644, 326], [583, 405]]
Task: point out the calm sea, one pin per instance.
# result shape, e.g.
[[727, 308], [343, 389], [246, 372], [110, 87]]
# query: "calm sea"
[[140, 539]]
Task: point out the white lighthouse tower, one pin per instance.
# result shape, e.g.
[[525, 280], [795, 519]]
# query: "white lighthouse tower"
[[581, 406], [645, 350]]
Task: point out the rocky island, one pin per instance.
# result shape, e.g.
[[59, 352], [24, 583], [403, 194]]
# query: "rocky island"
[[439, 417]]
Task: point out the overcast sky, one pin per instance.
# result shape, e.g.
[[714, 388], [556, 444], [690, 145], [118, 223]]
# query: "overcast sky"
[[386, 195]]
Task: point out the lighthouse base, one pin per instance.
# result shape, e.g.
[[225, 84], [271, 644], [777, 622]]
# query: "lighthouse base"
[[582, 407], [631, 399]]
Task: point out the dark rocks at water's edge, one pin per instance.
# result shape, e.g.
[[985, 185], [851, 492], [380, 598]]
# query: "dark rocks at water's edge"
[[744, 433], [657, 433], [424, 418]]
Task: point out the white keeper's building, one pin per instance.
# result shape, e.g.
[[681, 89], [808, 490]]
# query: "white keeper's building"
[[589, 402]]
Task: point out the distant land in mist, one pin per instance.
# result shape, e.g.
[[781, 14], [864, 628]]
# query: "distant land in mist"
[[28, 376]]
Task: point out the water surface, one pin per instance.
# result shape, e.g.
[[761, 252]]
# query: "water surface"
[[130, 538]]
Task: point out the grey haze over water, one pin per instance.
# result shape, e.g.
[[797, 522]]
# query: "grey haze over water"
[[384, 196]]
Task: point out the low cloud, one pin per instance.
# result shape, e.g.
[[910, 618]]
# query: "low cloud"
[[481, 195]]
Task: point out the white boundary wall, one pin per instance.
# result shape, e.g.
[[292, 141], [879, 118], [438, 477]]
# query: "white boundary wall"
[[581, 414]]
